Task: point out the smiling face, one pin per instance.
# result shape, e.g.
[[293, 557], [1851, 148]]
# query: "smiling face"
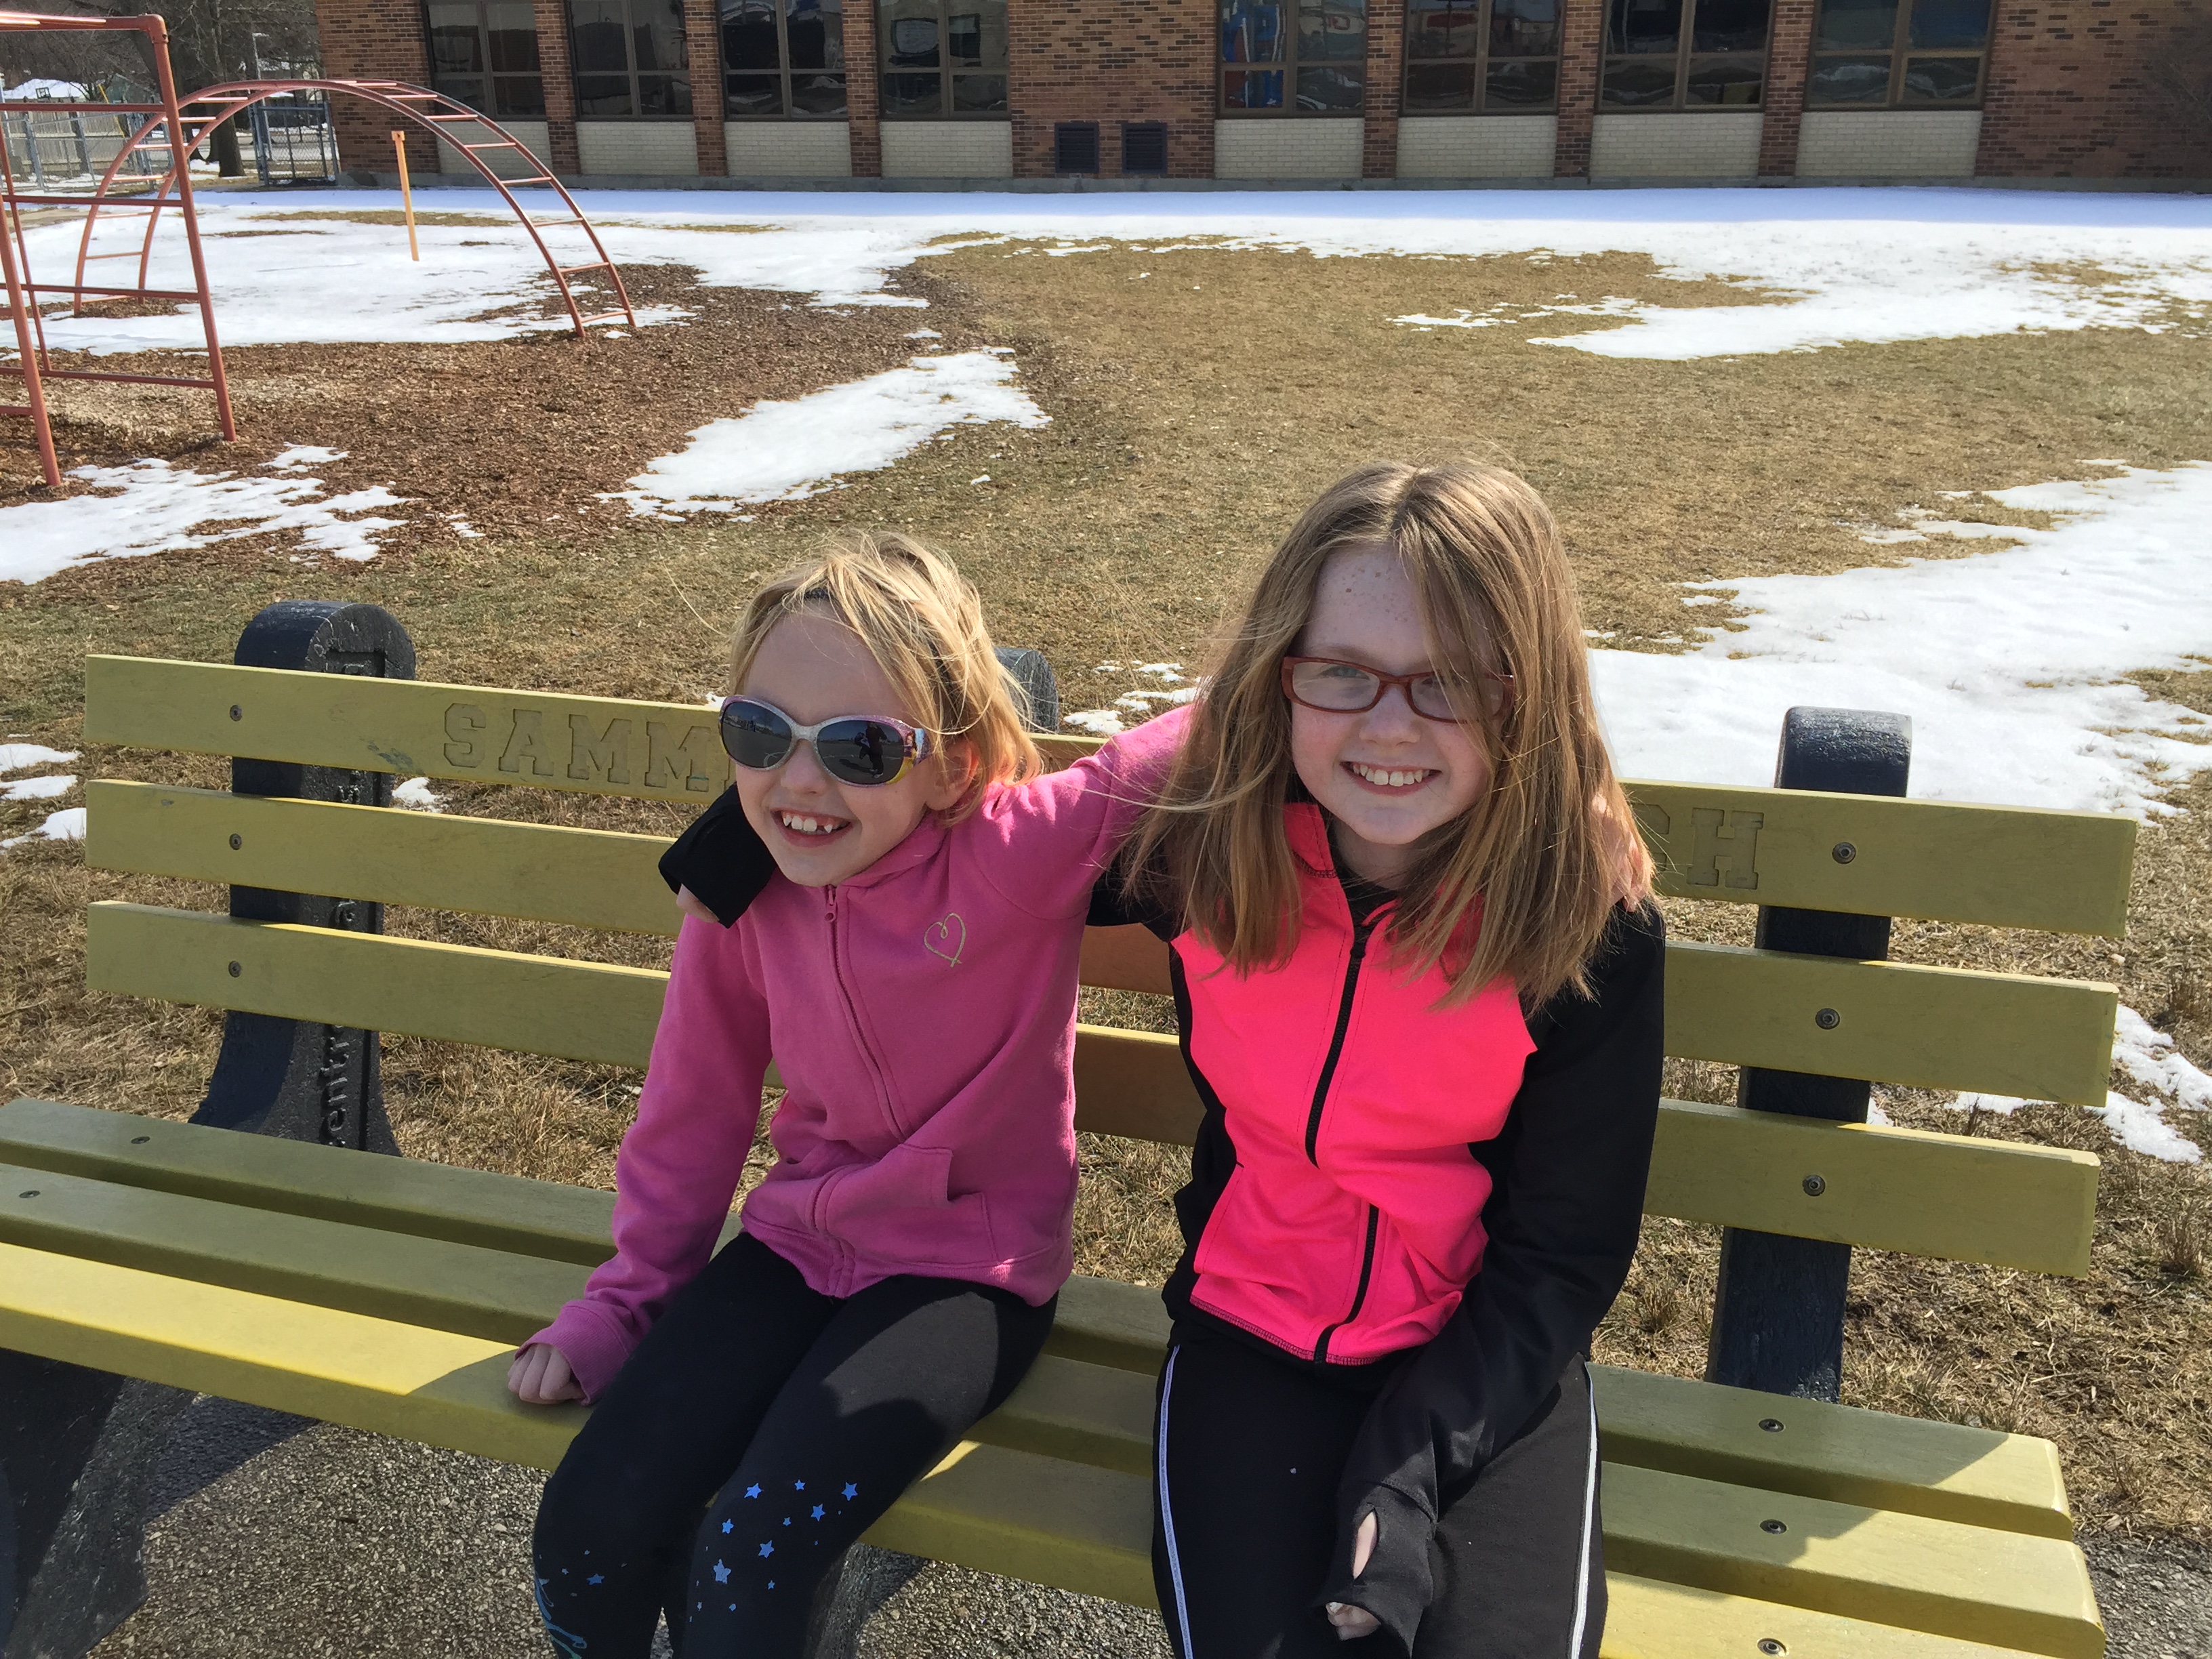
[[820, 830], [1388, 776]]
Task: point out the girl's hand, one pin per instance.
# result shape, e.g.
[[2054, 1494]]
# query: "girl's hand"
[[695, 907], [1352, 1623], [540, 1377]]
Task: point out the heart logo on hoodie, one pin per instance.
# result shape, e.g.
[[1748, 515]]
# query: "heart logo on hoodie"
[[946, 939]]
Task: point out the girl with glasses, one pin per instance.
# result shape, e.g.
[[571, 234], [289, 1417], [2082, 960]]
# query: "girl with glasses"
[[1419, 977], [898, 900]]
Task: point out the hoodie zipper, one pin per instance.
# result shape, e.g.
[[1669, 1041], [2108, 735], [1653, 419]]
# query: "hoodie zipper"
[[1359, 1297], [852, 1015], [1360, 930]]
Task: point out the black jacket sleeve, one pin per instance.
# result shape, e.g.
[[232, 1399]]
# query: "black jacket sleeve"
[[1562, 1219], [720, 858]]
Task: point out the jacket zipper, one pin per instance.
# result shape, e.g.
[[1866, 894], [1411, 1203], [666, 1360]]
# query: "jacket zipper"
[[859, 1042], [1360, 930], [1360, 1297]]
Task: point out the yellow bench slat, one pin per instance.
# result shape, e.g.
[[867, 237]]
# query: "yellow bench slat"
[[431, 1201], [1648, 1619], [2002, 866], [440, 862]]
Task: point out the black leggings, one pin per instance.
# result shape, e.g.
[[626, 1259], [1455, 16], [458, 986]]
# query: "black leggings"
[[758, 1432], [1250, 1451]]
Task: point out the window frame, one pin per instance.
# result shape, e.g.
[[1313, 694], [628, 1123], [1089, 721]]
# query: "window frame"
[[948, 108], [1479, 64], [1898, 51], [490, 76], [1287, 65], [685, 75], [784, 72], [1685, 53]]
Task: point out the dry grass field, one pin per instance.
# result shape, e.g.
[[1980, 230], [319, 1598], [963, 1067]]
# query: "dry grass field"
[[1198, 398]]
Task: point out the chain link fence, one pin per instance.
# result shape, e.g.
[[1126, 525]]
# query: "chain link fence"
[[288, 140]]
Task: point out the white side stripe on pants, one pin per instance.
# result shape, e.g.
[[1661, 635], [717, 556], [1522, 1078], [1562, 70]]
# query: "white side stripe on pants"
[[1167, 1510], [1590, 1517]]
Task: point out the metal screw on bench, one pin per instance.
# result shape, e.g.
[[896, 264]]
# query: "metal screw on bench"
[[1778, 1310], [284, 1077]]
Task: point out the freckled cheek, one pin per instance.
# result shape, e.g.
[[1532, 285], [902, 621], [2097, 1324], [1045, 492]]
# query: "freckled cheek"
[[1314, 752]]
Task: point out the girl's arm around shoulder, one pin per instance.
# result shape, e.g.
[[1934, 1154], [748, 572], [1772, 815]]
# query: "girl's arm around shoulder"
[[679, 1164], [1045, 841], [1562, 1219]]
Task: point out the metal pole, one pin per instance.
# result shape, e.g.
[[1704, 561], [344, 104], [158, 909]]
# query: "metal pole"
[[406, 196], [83, 144], [19, 308], [157, 33]]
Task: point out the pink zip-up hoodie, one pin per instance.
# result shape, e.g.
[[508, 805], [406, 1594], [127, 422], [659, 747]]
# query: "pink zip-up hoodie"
[[922, 1016]]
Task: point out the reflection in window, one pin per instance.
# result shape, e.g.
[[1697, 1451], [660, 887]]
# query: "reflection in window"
[[1317, 50], [783, 58], [942, 57], [483, 53], [1876, 54], [1685, 54], [1499, 56], [630, 59]]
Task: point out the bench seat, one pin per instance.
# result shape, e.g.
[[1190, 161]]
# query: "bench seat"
[[388, 1296]]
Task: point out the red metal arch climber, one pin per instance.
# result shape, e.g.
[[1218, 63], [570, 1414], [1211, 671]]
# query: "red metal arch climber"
[[191, 120]]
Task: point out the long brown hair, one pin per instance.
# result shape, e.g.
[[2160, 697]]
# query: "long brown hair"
[[1523, 883], [922, 622]]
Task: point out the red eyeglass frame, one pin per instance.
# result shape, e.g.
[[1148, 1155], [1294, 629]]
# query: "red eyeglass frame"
[[1404, 682]]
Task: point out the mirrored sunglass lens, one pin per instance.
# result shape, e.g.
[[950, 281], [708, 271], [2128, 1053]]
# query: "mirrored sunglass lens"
[[861, 751], [755, 736], [1333, 685]]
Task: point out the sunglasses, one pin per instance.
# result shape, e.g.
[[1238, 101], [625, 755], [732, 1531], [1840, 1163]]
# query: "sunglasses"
[[865, 749], [1336, 687]]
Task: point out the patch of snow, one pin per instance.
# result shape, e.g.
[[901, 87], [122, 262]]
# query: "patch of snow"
[[2006, 660], [157, 507], [60, 92], [1097, 722], [783, 451], [14, 756], [2147, 1055], [304, 455], [2144, 1129], [925, 334], [68, 825], [38, 788], [415, 795]]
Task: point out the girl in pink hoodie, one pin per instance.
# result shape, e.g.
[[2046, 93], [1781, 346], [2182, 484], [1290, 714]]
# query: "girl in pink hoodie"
[[913, 898]]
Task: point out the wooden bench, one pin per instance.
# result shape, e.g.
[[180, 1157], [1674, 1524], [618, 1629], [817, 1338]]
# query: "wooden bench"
[[388, 1294]]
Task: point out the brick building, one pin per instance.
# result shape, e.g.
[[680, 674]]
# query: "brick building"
[[1441, 90]]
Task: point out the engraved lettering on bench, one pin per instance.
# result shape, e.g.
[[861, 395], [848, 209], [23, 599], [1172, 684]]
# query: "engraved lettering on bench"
[[526, 742], [1725, 839], [689, 763], [607, 754], [464, 721]]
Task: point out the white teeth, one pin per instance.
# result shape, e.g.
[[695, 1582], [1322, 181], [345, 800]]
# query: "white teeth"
[[1392, 779], [801, 824]]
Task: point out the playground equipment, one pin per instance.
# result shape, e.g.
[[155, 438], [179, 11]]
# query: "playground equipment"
[[175, 128]]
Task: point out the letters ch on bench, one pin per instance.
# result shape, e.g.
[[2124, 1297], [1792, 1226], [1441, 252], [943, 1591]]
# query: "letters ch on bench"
[[688, 757]]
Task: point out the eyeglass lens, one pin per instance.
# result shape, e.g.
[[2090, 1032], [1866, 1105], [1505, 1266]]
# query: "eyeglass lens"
[[1349, 689]]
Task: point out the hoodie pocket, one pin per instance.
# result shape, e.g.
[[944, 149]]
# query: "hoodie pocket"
[[902, 1209]]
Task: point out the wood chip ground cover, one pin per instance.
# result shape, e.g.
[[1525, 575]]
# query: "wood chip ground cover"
[[1199, 398]]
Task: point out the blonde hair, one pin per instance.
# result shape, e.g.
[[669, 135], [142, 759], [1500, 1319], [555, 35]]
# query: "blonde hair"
[[1522, 885], [922, 622]]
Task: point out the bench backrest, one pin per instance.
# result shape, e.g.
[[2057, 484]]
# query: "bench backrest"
[[1954, 1197]]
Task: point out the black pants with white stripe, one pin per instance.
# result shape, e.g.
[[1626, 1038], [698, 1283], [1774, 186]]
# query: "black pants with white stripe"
[[1250, 1448]]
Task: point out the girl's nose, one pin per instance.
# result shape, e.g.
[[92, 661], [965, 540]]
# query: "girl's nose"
[[804, 769]]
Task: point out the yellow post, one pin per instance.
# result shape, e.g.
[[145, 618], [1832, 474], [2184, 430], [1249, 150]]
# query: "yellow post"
[[406, 196]]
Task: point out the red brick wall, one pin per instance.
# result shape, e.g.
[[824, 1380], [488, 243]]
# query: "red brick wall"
[[1582, 42], [1386, 72], [560, 85], [1111, 61], [1789, 57], [375, 41], [2072, 90], [863, 91], [702, 45]]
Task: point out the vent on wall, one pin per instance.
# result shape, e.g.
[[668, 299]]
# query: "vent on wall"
[[1075, 147], [1145, 147]]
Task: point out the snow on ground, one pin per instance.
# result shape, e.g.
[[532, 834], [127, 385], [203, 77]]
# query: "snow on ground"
[[19, 756], [783, 452], [1820, 266], [152, 507], [38, 788], [68, 825]]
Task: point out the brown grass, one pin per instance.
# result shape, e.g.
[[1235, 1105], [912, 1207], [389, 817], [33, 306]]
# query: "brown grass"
[[1194, 411]]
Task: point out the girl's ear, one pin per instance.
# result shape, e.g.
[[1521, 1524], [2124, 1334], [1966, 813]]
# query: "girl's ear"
[[956, 766]]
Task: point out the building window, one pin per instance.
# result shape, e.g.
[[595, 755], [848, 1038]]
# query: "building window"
[[1497, 56], [630, 59], [942, 57], [783, 58], [483, 53], [1316, 51], [1685, 54], [1144, 148], [1927, 53]]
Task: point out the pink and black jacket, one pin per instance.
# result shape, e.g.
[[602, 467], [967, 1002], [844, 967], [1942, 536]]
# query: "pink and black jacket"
[[1451, 1195]]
